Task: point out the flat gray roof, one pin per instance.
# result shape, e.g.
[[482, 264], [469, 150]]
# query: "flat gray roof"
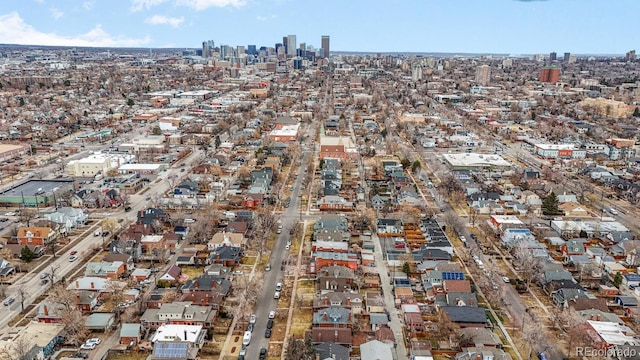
[[31, 187]]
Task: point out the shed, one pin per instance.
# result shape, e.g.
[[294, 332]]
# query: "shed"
[[130, 334]]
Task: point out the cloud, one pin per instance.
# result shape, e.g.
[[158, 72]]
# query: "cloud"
[[198, 5], [56, 14], [165, 20], [205, 4], [529, 0], [261, 18], [138, 5], [88, 5], [13, 30]]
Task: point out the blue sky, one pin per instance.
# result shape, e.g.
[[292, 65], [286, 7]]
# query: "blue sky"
[[459, 26]]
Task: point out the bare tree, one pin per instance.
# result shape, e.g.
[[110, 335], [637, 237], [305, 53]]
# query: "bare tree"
[[70, 316], [530, 266], [453, 221], [22, 295], [473, 215], [17, 349]]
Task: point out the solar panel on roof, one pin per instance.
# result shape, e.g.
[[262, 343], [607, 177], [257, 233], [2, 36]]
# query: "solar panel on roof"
[[170, 350], [452, 276]]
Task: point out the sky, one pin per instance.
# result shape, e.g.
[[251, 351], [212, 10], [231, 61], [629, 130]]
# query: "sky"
[[448, 26]]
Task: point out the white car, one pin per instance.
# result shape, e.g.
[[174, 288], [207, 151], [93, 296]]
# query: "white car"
[[272, 314], [93, 341], [88, 346], [506, 279], [287, 247], [73, 258], [276, 295], [252, 319]]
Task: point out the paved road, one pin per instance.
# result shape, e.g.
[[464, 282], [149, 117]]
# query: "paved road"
[[266, 302]]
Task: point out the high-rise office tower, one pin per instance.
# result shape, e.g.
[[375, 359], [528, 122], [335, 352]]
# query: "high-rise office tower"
[[303, 46], [630, 55], [553, 56], [483, 74], [205, 49], [325, 45], [291, 45], [285, 40], [239, 50], [550, 74], [566, 57], [251, 50]]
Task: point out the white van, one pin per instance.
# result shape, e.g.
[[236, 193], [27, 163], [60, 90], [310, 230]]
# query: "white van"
[[189, 221], [246, 339]]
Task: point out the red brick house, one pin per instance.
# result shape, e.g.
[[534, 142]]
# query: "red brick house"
[[35, 235]]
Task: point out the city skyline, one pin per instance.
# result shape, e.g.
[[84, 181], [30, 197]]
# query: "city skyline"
[[498, 26]]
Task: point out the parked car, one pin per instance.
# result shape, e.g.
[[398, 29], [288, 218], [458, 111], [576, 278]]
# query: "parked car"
[[276, 295], [93, 341], [267, 333], [44, 275], [44, 281], [88, 346], [268, 267], [269, 323], [506, 279], [272, 314], [263, 354], [252, 319]]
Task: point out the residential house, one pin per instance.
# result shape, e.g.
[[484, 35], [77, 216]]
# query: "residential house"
[[178, 313], [375, 349], [223, 239], [349, 300], [330, 350], [229, 256], [178, 342], [110, 270], [6, 269], [342, 336], [335, 278], [172, 275], [209, 290], [322, 259], [333, 317], [36, 235]]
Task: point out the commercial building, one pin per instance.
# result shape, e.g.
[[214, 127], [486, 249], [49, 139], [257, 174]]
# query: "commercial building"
[[285, 134], [9, 152], [550, 74], [291, 46], [476, 161], [559, 151], [97, 163], [325, 41], [32, 192]]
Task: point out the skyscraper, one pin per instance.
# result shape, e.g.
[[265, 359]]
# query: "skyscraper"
[[325, 45], [567, 56], [251, 50], [291, 46], [553, 56], [483, 74]]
